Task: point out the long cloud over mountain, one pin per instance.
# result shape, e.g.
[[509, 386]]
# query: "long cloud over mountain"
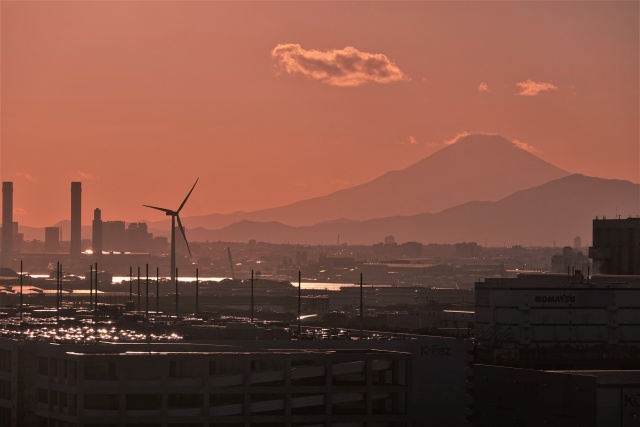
[[338, 67]]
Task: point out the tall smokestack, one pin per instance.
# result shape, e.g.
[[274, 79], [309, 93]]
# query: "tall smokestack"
[[97, 233], [7, 223], [76, 209]]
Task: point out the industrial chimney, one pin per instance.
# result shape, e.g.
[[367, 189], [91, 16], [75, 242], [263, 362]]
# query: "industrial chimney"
[[97, 233], [76, 227], [7, 223]]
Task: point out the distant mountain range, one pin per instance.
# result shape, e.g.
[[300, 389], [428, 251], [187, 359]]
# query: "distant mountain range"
[[476, 167], [482, 188], [556, 211]]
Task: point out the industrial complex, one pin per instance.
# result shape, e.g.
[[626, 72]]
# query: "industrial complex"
[[517, 348]]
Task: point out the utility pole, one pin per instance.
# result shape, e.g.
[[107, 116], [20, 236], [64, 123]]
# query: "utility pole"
[[361, 306], [299, 301]]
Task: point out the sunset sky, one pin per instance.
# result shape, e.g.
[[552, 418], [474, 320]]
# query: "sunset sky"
[[273, 102]]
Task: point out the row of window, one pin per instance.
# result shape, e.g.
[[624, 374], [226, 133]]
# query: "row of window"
[[5, 390], [353, 403], [5, 360], [107, 370], [62, 369], [44, 422]]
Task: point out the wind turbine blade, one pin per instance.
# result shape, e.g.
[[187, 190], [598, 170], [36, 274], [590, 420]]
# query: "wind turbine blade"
[[168, 211], [185, 199], [183, 235]]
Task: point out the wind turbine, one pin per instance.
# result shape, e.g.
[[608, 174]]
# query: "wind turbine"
[[175, 215]]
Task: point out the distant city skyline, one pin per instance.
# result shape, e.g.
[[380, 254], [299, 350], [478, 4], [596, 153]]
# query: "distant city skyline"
[[271, 103]]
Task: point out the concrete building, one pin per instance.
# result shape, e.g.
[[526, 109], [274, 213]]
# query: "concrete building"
[[138, 238], [536, 311], [523, 397], [76, 220], [114, 237], [52, 239], [569, 261], [616, 246], [191, 384], [7, 225]]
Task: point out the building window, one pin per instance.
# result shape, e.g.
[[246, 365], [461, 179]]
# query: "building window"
[[73, 370], [5, 389], [184, 401], [173, 369], [43, 366], [101, 401], [349, 404], [43, 395], [5, 360], [224, 399], [95, 370], [5, 417], [63, 399], [143, 402], [53, 367], [53, 397]]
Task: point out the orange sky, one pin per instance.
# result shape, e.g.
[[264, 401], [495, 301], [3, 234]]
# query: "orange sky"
[[269, 103]]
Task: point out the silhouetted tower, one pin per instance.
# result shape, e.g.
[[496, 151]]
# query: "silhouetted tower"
[[7, 223], [96, 237], [76, 227]]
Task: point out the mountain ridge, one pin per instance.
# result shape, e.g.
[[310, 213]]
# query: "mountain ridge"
[[473, 168], [515, 219]]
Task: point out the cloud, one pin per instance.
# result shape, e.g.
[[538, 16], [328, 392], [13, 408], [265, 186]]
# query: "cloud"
[[531, 88], [483, 87], [526, 147], [522, 145], [346, 67], [85, 176], [20, 212], [26, 176], [456, 138]]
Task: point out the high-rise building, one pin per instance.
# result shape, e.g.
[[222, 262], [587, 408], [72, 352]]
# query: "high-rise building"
[[76, 219], [52, 239], [616, 246], [114, 238], [138, 238], [96, 243], [7, 223], [577, 243]]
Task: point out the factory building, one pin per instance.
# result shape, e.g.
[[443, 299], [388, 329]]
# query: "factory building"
[[580, 335], [200, 384], [616, 246], [536, 311], [417, 381], [525, 397]]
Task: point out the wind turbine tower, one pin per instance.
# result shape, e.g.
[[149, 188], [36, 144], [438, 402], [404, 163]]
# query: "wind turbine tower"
[[175, 215]]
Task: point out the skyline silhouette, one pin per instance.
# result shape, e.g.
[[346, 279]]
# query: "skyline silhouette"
[[269, 108]]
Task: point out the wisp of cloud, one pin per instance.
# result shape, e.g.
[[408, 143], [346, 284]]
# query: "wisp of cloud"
[[531, 88], [346, 67]]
